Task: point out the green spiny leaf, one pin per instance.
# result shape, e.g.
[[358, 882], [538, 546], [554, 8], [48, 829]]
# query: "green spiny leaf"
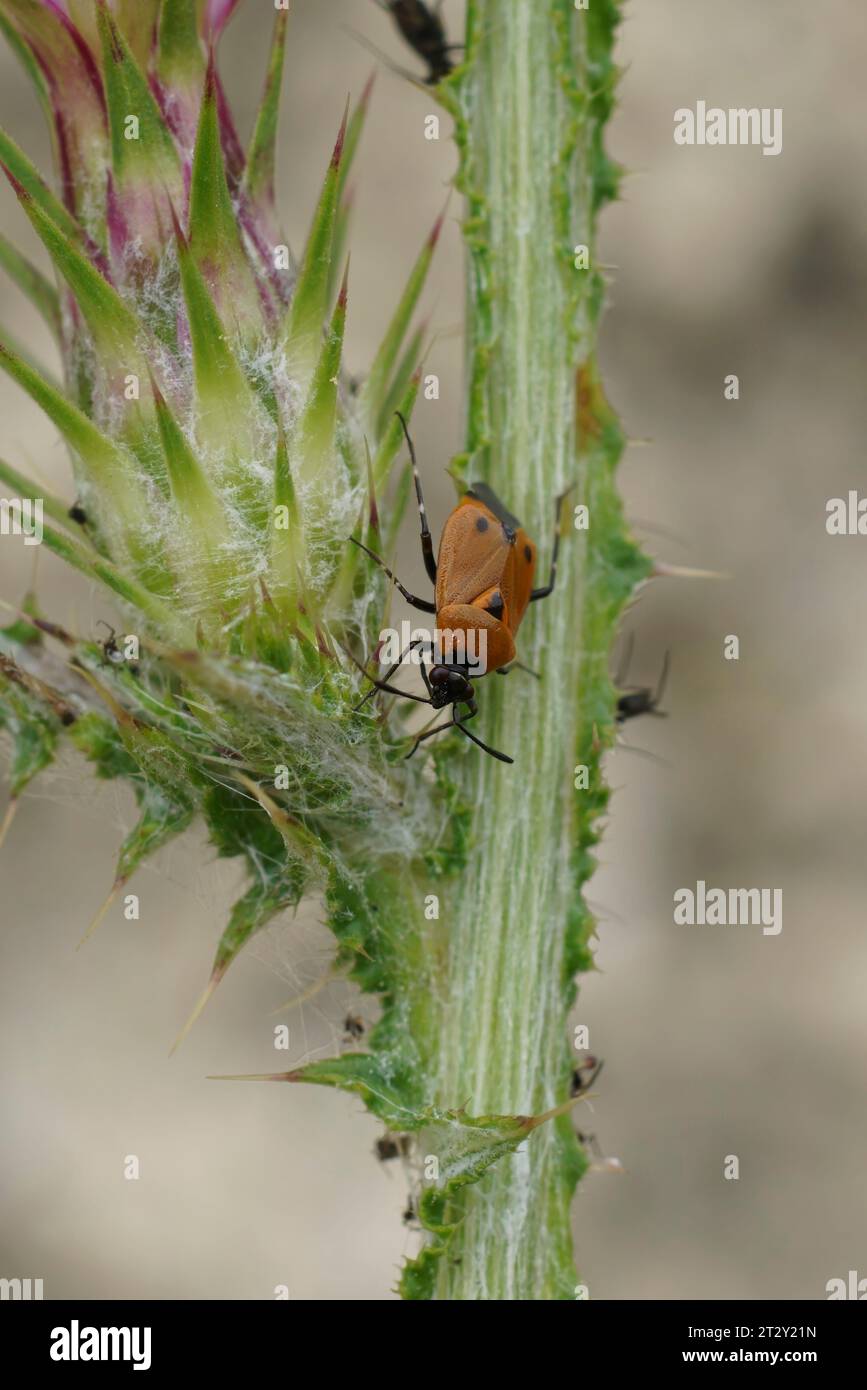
[[19, 166], [198, 504], [33, 730], [353, 135], [133, 593], [22, 631], [376, 387], [72, 84], [137, 21], [104, 461], [280, 886], [215, 239], [258, 181], [112, 323], [151, 151], [240, 826], [392, 439], [313, 441], [98, 739], [162, 817], [25, 56], [23, 351], [41, 293], [225, 401], [179, 54], [407, 365], [287, 536], [23, 486], [309, 307]]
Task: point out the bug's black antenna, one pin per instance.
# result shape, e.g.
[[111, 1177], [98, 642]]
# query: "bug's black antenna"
[[422, 603], [429, 733], [378, 684], [430, 563]]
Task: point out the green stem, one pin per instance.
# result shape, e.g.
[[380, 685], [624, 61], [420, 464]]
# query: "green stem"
[[530, 103]]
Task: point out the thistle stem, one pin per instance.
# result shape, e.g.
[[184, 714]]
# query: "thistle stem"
[[528, 131]]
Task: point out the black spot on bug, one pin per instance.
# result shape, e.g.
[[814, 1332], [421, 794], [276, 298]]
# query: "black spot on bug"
[[509, 534], [482, 523], [528, 554], [496, 606]]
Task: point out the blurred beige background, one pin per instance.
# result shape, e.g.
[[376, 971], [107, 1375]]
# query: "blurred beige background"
[[716, 1041]]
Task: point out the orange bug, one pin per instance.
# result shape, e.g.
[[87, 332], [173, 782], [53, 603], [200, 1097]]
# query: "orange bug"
[[483, 583]]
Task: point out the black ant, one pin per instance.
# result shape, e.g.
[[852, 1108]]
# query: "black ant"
[[641, 699], [423, 30]]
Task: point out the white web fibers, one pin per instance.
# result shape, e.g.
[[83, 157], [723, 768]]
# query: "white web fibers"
[[325, 1013]]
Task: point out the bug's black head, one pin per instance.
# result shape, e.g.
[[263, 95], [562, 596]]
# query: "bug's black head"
[[448, 686]]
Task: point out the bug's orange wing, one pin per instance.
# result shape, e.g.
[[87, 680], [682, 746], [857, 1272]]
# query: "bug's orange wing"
[[485, 555], [519, 586], [473, 555]]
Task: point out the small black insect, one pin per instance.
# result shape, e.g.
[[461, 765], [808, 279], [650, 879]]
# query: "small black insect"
[[409, 1216], [77, 513], [584, 1075], [353, 1028], [425, 33], [110, 650], [391, 1146], [641, 699]]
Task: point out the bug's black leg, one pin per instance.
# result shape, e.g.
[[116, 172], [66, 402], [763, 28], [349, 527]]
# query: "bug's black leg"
[[424, 604], [552, 577], [660, 689], [430, 733], [518, 666], [425, 678], [430, 563], [450, 724]]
